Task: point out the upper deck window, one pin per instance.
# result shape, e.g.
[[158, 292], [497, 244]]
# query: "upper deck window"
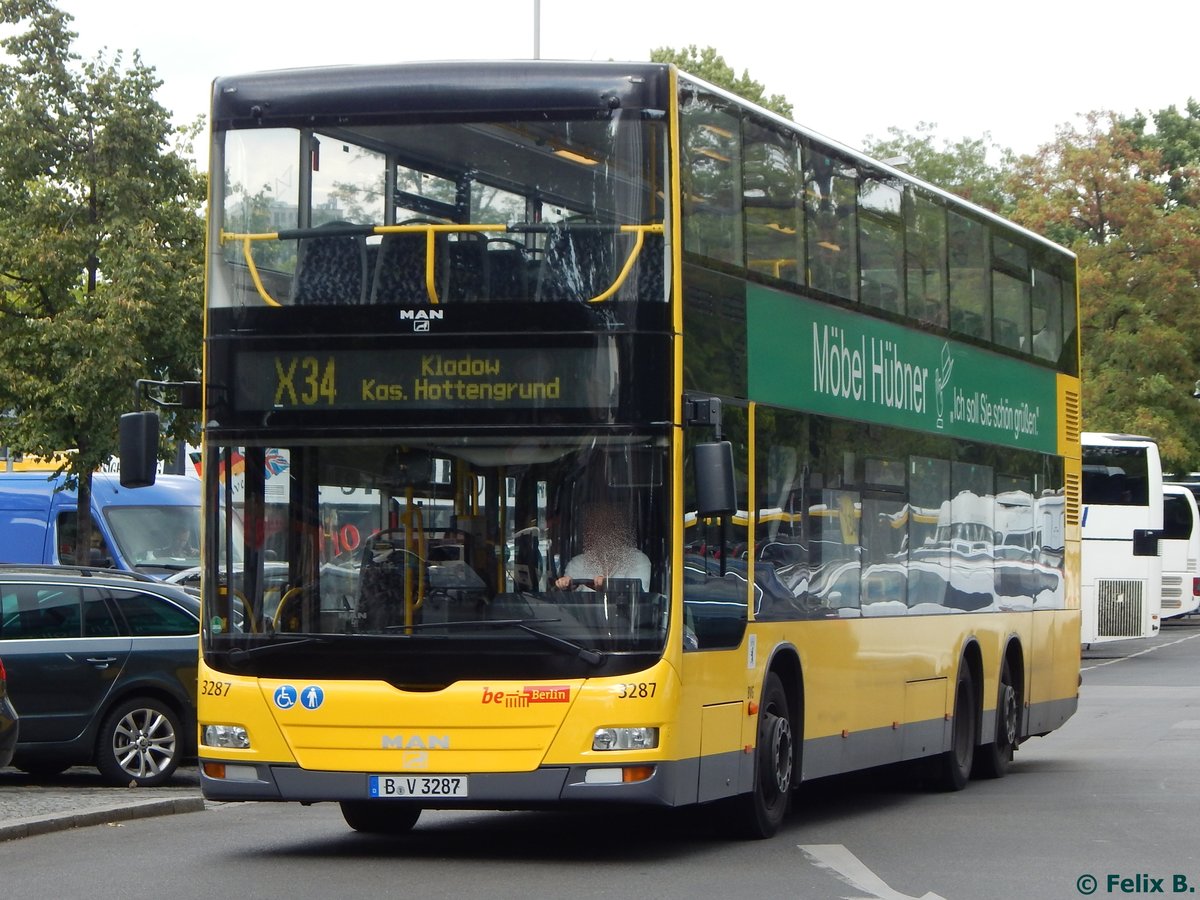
[[925, 249], [830, 193], [881, 243], [772, 197], [521, 209], [1010, 295], [712, 167], [970, 307]]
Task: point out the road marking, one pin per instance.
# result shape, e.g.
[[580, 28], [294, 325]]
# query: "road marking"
[[1116, 659], [850, 869]]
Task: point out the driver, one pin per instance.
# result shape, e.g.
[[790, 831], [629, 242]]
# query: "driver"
[[609, 551]]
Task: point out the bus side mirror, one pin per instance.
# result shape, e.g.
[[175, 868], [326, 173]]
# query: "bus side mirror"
[[138, 433], [716, 494]]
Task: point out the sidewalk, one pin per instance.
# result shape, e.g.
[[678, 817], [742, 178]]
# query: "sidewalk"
[[38, 805]]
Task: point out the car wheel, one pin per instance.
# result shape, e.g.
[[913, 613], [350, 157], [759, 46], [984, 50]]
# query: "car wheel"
[[380, 816], [139, 743]]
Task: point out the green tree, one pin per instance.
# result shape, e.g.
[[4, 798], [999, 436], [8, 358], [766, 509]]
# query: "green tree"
[[101, 245], [960, 167], [1175, 136], [711, 66], [1096, 190]]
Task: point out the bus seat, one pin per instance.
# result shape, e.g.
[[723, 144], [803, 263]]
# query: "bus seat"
[[1007, 333], [650, 268], [508, 270], [386, 561], [577, 264], [399, 275], [330, 270], [466, 267], [966, 321]]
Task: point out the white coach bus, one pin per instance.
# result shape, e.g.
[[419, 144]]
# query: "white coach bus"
[[1121, 596]]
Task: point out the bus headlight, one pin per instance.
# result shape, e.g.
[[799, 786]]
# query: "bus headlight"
[[230, 737], [625, 739]]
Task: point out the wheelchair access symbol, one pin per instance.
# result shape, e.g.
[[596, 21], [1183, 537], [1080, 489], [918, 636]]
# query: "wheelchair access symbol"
[[287, 697]]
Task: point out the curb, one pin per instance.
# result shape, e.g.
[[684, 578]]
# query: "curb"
[[123, 812]]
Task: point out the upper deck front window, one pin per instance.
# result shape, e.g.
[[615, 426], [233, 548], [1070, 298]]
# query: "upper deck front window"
[[415, 213]]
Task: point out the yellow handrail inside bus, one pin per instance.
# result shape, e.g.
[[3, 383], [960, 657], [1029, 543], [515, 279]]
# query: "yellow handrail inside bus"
[[247, 609], [773, 266], [281, 611], [640, 231], [431, 230], [414, 547], [249, 257]]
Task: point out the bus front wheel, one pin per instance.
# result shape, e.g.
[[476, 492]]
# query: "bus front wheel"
[[763, 809], [380, 816]]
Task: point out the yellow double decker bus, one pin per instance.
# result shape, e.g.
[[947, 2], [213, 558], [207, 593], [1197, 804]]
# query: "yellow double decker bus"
[[600, 438]]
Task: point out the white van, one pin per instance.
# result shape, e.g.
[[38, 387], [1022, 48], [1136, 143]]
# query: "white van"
[[1180, 547]]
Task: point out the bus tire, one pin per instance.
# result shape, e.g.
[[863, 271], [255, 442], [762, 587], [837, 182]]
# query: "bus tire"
[[380, 816], [761, 811], [954, 765], [993, 758]]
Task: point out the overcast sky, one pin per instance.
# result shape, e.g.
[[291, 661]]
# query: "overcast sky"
[[1014, 69]]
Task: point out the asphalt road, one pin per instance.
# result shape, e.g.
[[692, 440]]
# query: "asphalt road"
[[1104, 807]]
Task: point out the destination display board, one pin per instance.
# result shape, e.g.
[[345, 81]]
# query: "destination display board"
[[442, 379]]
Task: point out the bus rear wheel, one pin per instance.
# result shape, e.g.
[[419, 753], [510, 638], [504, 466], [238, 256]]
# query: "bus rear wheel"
[[993, 758], [954, 766], [762, 810], [380, 816]]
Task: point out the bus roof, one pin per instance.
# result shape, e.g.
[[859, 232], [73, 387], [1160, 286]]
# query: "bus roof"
[[305, 95]]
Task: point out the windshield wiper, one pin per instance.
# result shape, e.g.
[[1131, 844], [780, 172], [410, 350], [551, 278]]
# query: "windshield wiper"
[[592, 657], [262, 649]]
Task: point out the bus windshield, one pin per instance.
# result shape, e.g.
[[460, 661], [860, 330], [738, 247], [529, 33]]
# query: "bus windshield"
[[1115, 476], [546, 554]]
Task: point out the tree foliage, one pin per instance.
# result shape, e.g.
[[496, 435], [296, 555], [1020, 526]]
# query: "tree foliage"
[[1175, 136], [1107, 193], [960, 167], [101, 243], [711, 66]]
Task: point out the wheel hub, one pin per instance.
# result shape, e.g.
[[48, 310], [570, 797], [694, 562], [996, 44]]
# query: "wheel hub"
[[1008, 711], [780, 731]]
